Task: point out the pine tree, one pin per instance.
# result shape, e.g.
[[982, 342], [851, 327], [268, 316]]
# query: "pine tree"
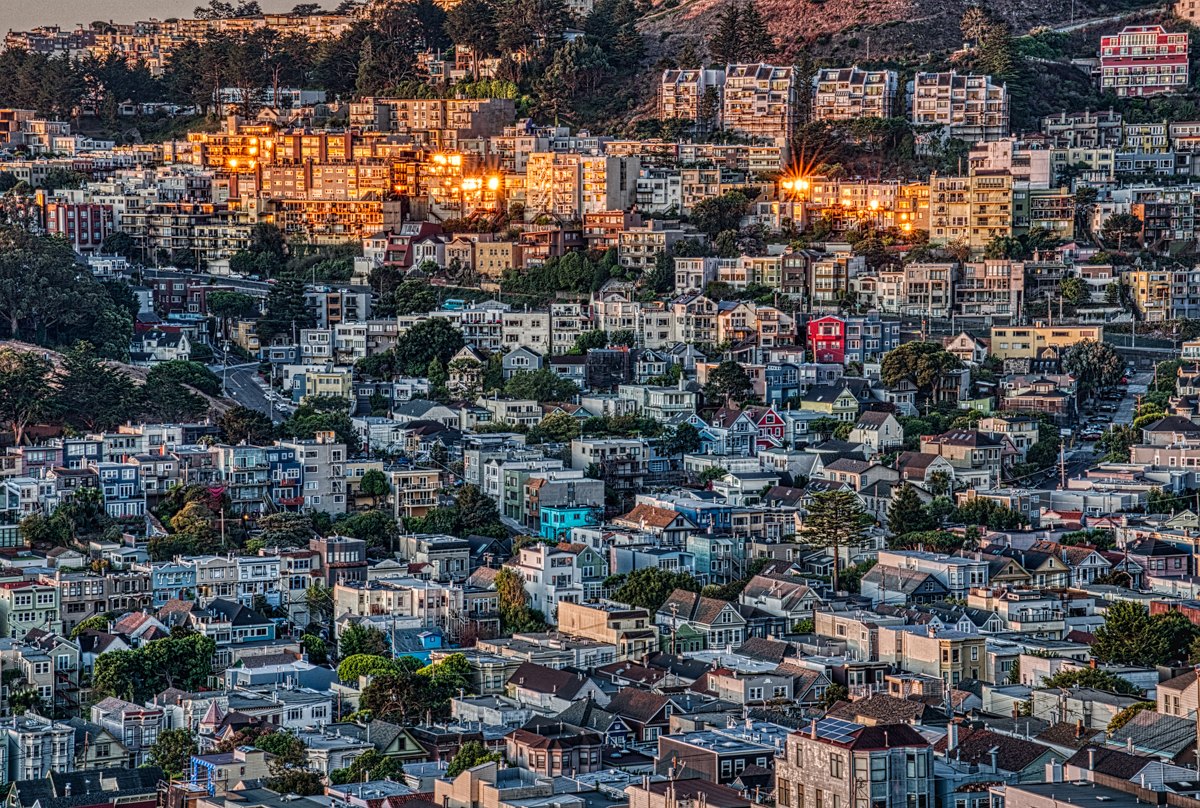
[[835, 519], [906, 514], [725, 45], [757, 42]]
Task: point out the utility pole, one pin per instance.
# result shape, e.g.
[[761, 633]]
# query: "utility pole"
[[1062, 467]]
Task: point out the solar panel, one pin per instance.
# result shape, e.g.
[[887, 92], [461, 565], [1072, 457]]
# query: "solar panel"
[[837, 730]]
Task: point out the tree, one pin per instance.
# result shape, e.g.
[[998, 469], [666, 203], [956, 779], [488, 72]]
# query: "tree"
[[137, 675], [368, 766], [725, 44], [319, 600], [315, 647], [832, 695], [352, 668], [428, 339], [650, 587], [468, 756], [92, 395], [1074, 291], [513, 603], [302, 782], [359, 639], [378, 528], [189, 374], [588, 340], [1119, 227], [286, 748], [728, 382], [922, 363], [24, 390], [374, 484], [720, 213], [1092, 678], [683, 439], [1128, 636], [287, 310], [982, 511], [1126, 714], [227, 305], [757, 42], [907, 514], [835, 520], [97, 622], [540, 385], [1094, 365], [415, 297], [172, 751], [472, 24], [244, 425]]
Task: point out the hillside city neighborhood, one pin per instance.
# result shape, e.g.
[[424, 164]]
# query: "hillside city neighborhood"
[[506, 404]]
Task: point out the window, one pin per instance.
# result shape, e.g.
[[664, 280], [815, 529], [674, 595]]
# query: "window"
[[835, 765]]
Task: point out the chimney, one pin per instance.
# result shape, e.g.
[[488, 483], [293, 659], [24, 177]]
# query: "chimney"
[[994, 753], [1093, 663], [952, 737], [813, 730], [1054, 771], [1091, 758], [1079, 728]]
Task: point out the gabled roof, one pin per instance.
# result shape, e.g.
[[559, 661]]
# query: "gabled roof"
[[638, 705], [693, 607], [880, 708], [872, 419], [540, 679], [649, 515]]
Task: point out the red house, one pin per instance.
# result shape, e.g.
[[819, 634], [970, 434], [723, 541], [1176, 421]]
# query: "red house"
[[827, 339], [771, 426], [1144, 60]]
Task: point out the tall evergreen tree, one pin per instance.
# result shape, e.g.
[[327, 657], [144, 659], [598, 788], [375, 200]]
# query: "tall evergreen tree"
[[725, 44], [287, 310], [835, 520], [907, 514], [757, 42]]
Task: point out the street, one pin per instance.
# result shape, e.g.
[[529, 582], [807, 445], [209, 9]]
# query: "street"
[[243, 386], [1084, 454]]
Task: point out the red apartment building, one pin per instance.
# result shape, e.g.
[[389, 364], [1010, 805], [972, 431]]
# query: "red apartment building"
[[827, 340], [84, 225], [1144, 60]]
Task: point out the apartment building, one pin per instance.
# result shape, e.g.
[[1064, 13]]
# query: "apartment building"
[[949, 655], [1143, 60], [849, 93], [972, 210], [760, 102], [1187, 10], [1084, 130], [136, 726], [971, 107], [994, 290], [565, 573], [566, 186], [1038, 342], [639, 247], [435, 123], [630, 630], [37, 747], [691, 94], [26, 605], [414, 490], [840, 764]]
